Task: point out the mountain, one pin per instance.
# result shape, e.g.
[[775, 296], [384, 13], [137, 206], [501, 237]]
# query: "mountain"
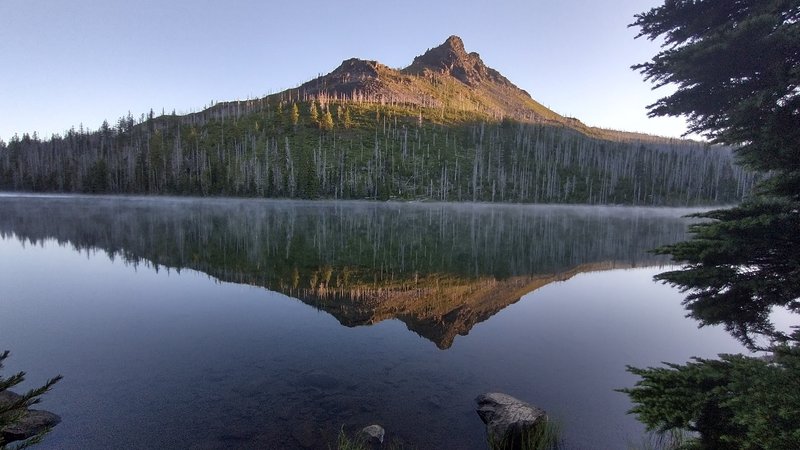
[[446, 127], [440, 308], [443, 77]]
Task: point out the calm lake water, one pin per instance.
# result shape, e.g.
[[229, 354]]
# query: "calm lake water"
[[184, 323]]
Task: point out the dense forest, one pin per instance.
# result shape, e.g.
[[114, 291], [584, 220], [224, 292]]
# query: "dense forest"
[[292, 146]]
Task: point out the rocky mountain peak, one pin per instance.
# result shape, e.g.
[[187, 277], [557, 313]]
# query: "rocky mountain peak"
[[352, 75], [452, 59], [357, 68], [441, 76], [455, 44]]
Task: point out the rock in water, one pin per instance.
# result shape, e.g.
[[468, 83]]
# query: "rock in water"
[[31, 423], [508, 419], [374, 434]]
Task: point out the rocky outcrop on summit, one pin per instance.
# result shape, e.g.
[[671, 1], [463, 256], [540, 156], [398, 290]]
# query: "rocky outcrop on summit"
[[452, 59], [446, 76], [352, 75]]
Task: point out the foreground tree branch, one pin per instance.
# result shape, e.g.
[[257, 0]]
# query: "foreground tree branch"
[[736, 65]]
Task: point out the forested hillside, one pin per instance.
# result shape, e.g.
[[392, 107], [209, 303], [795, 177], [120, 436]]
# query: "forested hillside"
[[364, 150], [445, 128]]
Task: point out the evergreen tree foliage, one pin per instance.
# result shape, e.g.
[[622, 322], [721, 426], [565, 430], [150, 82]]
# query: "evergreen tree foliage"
[[313, 113], [735, 402], [327, 121], [736, 65], [737, 68], [294, 114], [347, 121], [739, 266], [12, 408]]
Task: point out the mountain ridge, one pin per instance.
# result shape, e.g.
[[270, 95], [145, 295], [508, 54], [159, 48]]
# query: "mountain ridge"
[[446, 127], [452, 58], [446, 76]]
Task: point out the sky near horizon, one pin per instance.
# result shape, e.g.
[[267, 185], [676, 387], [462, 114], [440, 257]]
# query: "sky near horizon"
[[80, 62]]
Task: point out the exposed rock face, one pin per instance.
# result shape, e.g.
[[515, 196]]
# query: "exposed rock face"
[[31, 423], [470, 85], [507, 418], [452, 59], [353, 75], [356, 69]]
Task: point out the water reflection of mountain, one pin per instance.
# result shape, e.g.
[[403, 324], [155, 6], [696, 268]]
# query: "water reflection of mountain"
[[440, 268]]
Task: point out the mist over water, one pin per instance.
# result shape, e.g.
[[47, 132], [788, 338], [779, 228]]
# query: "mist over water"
[[464, 239], [218, 323]]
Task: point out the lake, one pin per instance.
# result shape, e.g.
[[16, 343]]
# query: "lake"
[[227, 323]]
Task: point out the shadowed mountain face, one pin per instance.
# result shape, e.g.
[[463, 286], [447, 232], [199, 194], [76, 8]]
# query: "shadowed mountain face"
[[444, 76], [439, 268]]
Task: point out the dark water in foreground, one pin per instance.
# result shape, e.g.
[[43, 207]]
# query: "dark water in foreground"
[[252, 324]]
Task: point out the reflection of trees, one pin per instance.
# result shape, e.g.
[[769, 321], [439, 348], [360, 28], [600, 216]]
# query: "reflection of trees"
[[431, 265]]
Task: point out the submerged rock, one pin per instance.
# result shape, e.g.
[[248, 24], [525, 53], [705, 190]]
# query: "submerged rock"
[[508, 419], [374, 434], [31, 423]]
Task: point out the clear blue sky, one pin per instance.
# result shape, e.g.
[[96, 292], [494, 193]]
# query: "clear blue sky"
[[70, 62]]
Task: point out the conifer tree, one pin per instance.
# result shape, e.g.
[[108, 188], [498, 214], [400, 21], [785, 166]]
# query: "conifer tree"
[[314, 113], [294, 115], [736, 65], [327, 121], [347, 121]]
